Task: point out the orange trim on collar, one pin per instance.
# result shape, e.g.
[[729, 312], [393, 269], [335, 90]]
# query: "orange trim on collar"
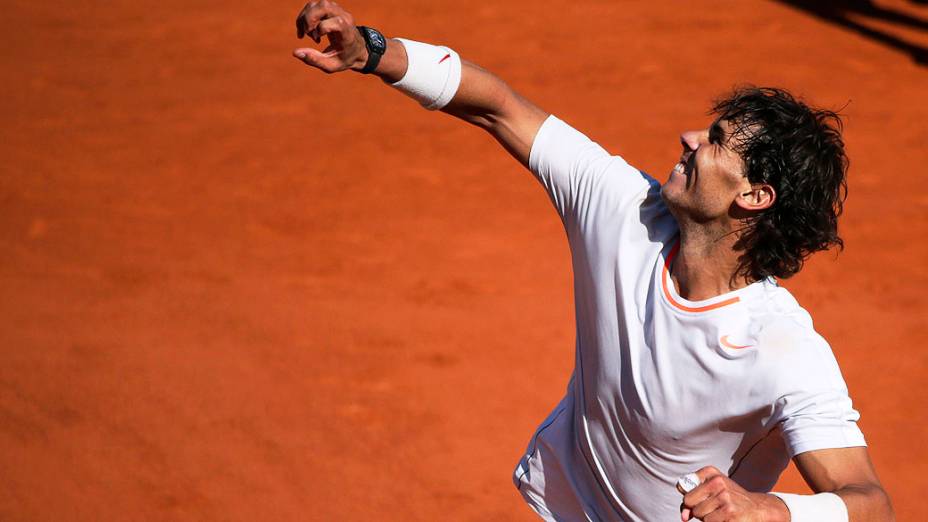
[[665, 275], [728, 344]]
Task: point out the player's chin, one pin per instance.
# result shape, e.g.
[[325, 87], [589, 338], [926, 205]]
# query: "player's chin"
[[675, 196], [673, 187], [667, 196]]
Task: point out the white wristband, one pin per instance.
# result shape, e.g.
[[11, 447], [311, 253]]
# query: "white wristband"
[[824, 507], [432, 76]]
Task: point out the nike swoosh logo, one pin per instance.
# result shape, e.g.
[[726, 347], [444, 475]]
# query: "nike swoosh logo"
[[445, 58], [727, 344]]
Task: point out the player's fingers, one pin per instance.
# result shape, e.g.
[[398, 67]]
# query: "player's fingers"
[[706, 507], [707, 489], [333, 24], [313, 13], [707, 472], [336, 27], [719, 515], [301, 22], [695, 485]]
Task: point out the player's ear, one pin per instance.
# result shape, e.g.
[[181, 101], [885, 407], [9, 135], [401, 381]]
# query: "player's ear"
[[758, 197]]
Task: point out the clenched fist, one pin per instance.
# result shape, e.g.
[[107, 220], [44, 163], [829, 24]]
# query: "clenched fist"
[[720, 499]]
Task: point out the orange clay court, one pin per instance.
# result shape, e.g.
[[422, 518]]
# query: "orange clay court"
[[234, 288]]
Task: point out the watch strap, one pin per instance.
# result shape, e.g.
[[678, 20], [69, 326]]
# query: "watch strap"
[[376, 45]]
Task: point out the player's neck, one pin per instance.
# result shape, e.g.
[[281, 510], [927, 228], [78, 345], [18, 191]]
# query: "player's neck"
[[706, 264]]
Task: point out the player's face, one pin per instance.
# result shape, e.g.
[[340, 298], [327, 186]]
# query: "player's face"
[[709, 176]]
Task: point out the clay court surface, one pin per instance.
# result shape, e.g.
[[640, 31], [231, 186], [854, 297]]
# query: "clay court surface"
[[235, 288]]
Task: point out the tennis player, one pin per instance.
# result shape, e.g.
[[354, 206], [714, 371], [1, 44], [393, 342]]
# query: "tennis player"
[[691, 361]]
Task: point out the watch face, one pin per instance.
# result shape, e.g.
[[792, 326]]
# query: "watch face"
[[376, 40]]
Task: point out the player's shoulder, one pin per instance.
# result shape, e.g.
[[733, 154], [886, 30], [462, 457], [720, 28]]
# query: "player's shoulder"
[[785, 329], [791, 354], [559, 146]]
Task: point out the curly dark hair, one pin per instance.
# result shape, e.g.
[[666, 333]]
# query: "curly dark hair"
[[798, 151]]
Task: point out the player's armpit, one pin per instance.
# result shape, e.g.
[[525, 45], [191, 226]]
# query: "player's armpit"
[[486, 101], [849, 473]]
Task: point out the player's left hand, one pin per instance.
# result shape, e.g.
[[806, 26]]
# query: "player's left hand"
[[720, 499], [346, 49]]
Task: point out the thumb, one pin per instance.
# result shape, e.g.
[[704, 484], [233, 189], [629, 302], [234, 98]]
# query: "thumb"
[[314, 57]]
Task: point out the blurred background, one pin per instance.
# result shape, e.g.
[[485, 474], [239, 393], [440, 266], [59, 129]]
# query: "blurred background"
[[235, 288]]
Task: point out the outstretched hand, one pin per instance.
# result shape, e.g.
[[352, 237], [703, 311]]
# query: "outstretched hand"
[[719, 498], [346, 48]]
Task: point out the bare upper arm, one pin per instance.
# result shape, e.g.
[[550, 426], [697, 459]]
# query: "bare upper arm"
[[850, 474], [832, 469], [488, 102]]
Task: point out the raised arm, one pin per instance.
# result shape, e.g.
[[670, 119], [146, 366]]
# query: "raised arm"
[[482, 98]]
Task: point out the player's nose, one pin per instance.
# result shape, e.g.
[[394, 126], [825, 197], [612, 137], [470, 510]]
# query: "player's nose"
[[691, 140]]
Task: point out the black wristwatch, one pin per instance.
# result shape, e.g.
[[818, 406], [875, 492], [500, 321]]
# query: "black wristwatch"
[[376, 46]]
